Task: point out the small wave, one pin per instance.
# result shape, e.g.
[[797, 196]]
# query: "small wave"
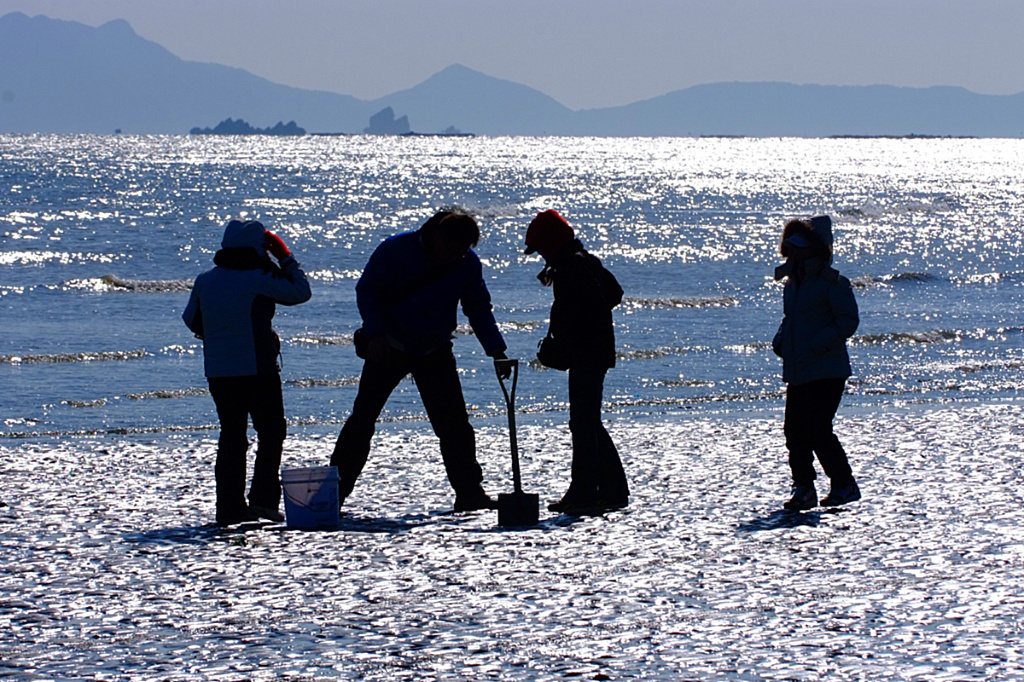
[[332, 276], [980, 278], [99, 402], [684, 383], [874, 210], [989, 366], [314, 340], [934, 336], [651, 353], [868, 281], [178, 349], [748, 348], [57, 358], [696, 400], [912, 277], [677, 302], [168, 394], [517, 326], [330, 383], [120, 431], [636, 354], [115, 283]]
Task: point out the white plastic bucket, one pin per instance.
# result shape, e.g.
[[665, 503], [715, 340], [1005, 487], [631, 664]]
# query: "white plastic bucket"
[[311, 497]]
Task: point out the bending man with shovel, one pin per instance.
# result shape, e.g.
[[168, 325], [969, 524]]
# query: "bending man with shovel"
[[408, 297]]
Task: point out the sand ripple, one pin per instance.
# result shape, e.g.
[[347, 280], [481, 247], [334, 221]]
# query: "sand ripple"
[[110, 570]]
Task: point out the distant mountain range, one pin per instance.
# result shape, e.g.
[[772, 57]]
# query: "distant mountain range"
[[65, 77]]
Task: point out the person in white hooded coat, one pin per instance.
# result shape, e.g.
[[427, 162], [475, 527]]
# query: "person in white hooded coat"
[[820, 314]]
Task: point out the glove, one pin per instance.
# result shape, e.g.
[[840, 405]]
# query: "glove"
[[503, 368], [502, 365], [275, 246]]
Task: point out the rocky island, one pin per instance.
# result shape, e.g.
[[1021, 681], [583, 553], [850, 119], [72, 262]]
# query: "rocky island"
[[232, 127]]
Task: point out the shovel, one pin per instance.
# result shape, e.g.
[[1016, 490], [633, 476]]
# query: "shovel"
[[515, 508]]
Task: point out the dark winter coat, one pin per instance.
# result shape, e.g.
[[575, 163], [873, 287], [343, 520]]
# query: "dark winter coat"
[[232, 306], [402, 293], [820, 314], [581, 315]]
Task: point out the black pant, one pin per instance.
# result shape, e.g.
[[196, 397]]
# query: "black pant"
[[597, 471], [437, 379], [237, 398], [810, 409]]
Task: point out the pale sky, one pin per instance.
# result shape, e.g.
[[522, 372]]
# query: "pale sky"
[[584, 53]]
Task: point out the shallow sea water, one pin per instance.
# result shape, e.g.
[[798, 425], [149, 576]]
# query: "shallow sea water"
[[111, 571], [101, 237]]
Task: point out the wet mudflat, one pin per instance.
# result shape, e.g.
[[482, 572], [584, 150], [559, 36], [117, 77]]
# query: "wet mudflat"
[[109, 569]]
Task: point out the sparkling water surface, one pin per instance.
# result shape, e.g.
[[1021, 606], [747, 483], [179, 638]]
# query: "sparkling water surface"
[[111, 571], [101, 237]]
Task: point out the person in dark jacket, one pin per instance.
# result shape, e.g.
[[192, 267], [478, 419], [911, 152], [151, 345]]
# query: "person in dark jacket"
[[820, 314], [581, 325], [408, 297], [231, 309]]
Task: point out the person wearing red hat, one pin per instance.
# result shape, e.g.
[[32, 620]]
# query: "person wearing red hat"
[[581, 325]]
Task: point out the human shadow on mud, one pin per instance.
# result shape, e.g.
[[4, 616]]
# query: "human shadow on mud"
[[398, 524], [193, 535], [551, 523], [783, 518], [349, 523]]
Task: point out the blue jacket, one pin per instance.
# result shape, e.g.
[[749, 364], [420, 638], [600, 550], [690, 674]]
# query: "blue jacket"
[[820, 313], [232, 306], [419, 319]]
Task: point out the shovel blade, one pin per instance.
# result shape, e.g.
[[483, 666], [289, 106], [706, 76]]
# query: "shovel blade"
[[518, 509]]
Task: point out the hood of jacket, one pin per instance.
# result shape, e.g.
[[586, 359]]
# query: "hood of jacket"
[[249, 233], [821, 228], [243, 258]]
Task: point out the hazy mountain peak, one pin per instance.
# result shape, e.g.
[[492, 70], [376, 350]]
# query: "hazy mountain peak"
[[13, 17], [65, 77], [118, 27]]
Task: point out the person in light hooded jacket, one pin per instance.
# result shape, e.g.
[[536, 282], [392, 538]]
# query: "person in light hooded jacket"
[[231, 308], [820, 314]]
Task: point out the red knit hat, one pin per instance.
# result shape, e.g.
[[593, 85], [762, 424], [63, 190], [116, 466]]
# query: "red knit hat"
[[548, 232]]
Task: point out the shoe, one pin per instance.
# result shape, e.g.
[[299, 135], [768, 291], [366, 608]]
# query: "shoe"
[[243, 515], [475, 501], [559, 506], [804, 497], [842, 495], [268, 513], [572, 496]]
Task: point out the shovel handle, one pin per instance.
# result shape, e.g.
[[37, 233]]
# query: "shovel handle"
[[505, 364], [510, 403]]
